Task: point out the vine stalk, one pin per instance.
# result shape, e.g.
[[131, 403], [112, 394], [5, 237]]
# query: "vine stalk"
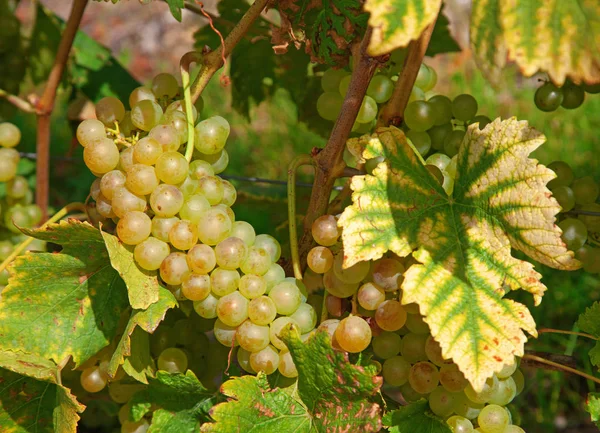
[[558, 366], [561, 331], [18, 102], [184, 65]]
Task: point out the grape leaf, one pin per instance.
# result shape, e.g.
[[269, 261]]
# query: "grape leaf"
[[133, 341], [328, 385], [415, 418], [164, 421], [37, 401], [175, 6], [441, 39], [560, 37], [589, 321], [592, 405], [142, 285], [67, 304], [396, 22], [463, 241], [182, 395]]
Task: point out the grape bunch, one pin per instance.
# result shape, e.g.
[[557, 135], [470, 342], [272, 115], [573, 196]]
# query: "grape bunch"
[[398, 338], [581, 231], [549, 97]]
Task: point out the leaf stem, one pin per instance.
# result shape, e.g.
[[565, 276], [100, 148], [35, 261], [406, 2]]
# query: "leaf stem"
[[57, 216], [561, 331], [393, 111], [559, 366], [297, 162], [213, 61], [46, 105], [184, 66], [18, 102]]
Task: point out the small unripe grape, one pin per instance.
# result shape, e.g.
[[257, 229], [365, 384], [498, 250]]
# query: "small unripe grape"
[[90, 130], [386, 345], [493, 419], [166, 200], [150, 253], [416, 324], [320, 259], [329, 104], [287, 297], [110, 182], [565, 197], [226, 335], [162, 226], [104, 207], [141, 94], [147, 150], [287, 367], [101, 156], [193, 207], [442, 109], [200, 168], [325, 230], [232, 309], [337, 287], [353, 334], [207, 308], [252, 286], [172, 167], [165, 85], [141, 179], [10, 135], [201, 258], [354, 274], [183, 235], [306, 318], [380, 88], [229, 193], [224, 281], [174, 269], [188, 187], [464, 107], [196, 287], [214, 226], [419, 116], [270, 245], [8, 169], [212, 188], [173, 360], [564, 174], [126, 159], [180, 106], [390, 316], [211, 135], [253, 337], [93, 379], [441, 402], [548, 97], [274, 275], [17, 187], [387, 274], [276, 326], [395, 371], [262, 310], [134, 227], [574, 233], [146, 114], [265, 360], [110, 110], [258, 261], [167, 136]]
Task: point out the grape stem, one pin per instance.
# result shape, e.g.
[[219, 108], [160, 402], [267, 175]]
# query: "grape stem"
[[582, 212], [45, 106], [184, 66], [558, 366], [297, 162], [393, 112], [20, 103], [561, 331], [213, 61], [57, 216]]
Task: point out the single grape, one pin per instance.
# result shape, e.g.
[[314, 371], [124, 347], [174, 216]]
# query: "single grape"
[[244, 231], [180, 106], [140, 94], [419, 115], [218, 161], [439, 160], [380, 88], [93, 379], [329, 105], [110, 110], [565, 197], [433, 77], [466, 408], [211, 135], [165, 86], [396, 370], [442, 109], [424, 377], [88, 131], [330, 81], [101, 156], [409, 394], [421, 141], [269, 244], [453, 141], [441, 402], [162, 226], [141, 179], [354, 274], [253, 337], [482, 120], [305, 317], [387, 274], [183, 235], [505, 393], [548, 97], [273, 276], [464, 107], [134, 227], [416, 94], [195, 287], [459, 424], [214, 226], [166, 200], [585, 189], [150, 253], [493, 419], [174, 268], [226, 335], [564, 174], [265, 360], [287, 297], [207, 308], [262, 310], [438, 135], [224, 281], [353, 334], [320, 259], [591, 88], [451, 378], [258, 261], [243, 358], [172, 360], [200, 168], [386, 345], [573, 96], [367, 111], [337, 287], [147, 150], [17, 187], [590, 257], [276, 326], [229, 193], [172, 167], [167, 136], [574, 233], [344, 84], [193, 207], [232, 309], [286, 364], [423, 76], [413, 347], [370, 296]]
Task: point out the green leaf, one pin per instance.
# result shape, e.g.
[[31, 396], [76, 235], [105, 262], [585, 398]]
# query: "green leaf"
[[36, 401], [415, 418], [397, 22], [560, 37], [175, 6], [592, 405], [589, 321], [164, 421], [134, 341], [182, 395], [463, 242], [44, 44], [60, 305], [142, 285], [441, 39]]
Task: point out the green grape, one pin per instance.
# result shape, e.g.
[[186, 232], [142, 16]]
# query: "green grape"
[[424, 377], [226, 335], [243, 359], [416, 94], [147, 150], [265, 360], [337, 287], [506, 392], [513, 429], [423, 77], [432, 347], [286, 364], [104, 207], [193, 207], [306, 318], [189, 186], [438, 135], [232, 309], [354, 274], [590, 257], [150, 253], [275, 328], [10, 135], [140, 94], [244, 231], [565, 197], [141, 179], [574, 233], [459, 424], [329, 105], [253, 337], [167, 136], [416, 324], [230, 253], [367, 111], [172, 167], [343, 87], [180, 106], [101, 156], [387, 274], [207, 308], [390, 316], [433, 77], [146, 114], [258, 261], [110, 110], [409, 394], [252, 286], [395, 371], [421, 141], [465, 407], [319, 259], [482, 120], [286, 296], [507, 370], [591, 88], [386, 345], [165, 85], [196, 287], [451, 167], [442, 109], [214, 226], [183, 235], [200, 168], [452, 142], [162, 226], [451, 378], [419, 115], [88, 131], [172, 360], [126, 159], [441, 402], [211, 135], [93, 379], [548, 97], [174, 268], [370, 296], [591, 222], [489, 389], [493, 419], [586, 190], [353, 334], [17, 187], [262, 310], [464, 107], [229, 194], [8, 166], [439, 160], [573, 96], [330, 81], [212, 188], [110, 182], [273, 276], [564, 174], [134, 227], [218, 161], [166, 200], [380, 88], [413, 347], [224, 281]]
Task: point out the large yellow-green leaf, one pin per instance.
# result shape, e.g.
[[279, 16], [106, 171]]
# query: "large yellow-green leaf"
[[396, 22], [463, 241], [66, 304], [560, 37]]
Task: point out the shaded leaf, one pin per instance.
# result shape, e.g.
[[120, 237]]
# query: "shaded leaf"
[[415, 418], [142, 285], [592, 405], [29, 365], [487, 38], [397, 22], [589, 321], [181, 422], [441, 39], [57, 305], [500, 201], [44, 44]]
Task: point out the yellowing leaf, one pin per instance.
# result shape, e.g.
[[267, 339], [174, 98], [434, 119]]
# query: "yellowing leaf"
[[487, 39], [464, 241], [396, 22]]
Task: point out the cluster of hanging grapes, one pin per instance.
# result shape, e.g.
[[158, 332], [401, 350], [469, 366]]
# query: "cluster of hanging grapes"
[[549, 97]]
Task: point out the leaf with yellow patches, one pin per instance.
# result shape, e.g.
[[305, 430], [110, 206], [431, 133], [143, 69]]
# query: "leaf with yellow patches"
[[463, 242], [66, 304], [397, 22]]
